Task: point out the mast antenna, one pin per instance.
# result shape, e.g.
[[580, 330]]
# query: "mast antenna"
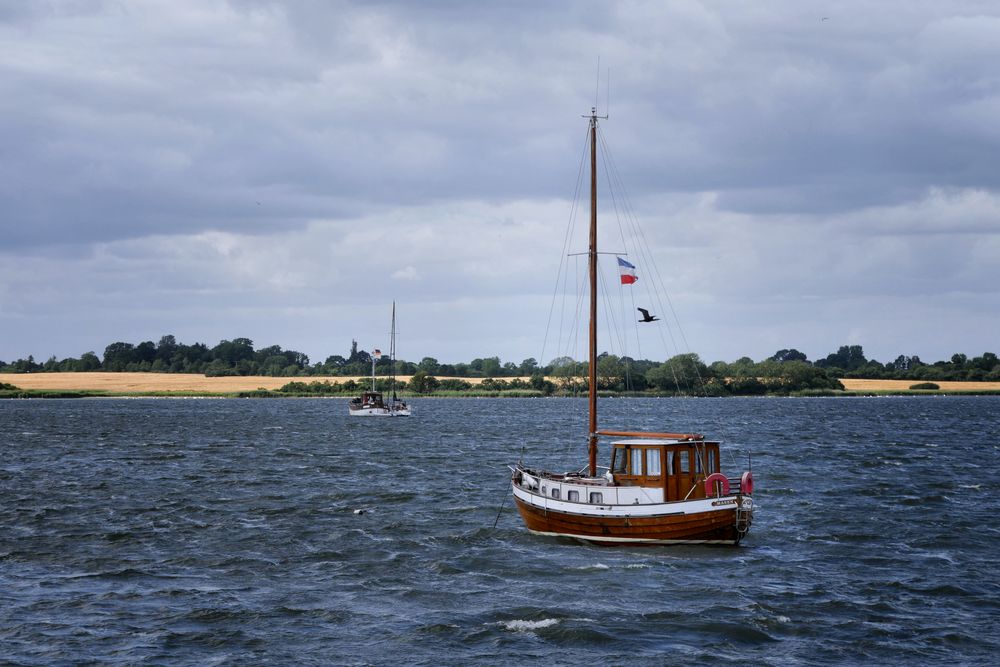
[[597, 89], [607, 91]]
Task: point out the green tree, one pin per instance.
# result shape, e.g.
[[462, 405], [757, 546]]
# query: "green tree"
[[903, 363], [89, 362], [234, 351], [847, 358], [298, 359], [145, 352], [744, 366], [569, 374], [539, 383], [682, 373], [118, 356], [799, 375], [27, 365], [454, 384], [334, 365], [610, 372], [528, 367], [488, 367], [987, 362], [265, 353], [274, 365], [747, 386], [166, 348], [789, 355], [422, 383]]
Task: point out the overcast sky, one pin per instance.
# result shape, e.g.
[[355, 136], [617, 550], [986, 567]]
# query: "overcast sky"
[[811, 174]]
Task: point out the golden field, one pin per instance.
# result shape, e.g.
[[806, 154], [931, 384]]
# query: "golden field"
[[163, 382], [903, 385], [182, 382]]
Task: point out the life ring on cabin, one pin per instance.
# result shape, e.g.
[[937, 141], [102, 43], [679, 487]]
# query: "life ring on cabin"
[[746, 483], [712, 479]]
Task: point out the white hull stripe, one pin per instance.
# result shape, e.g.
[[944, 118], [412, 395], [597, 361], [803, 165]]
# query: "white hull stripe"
[[636, 540], [641, 510]]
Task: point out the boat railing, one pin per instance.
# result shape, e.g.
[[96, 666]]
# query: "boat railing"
[[681, 437]]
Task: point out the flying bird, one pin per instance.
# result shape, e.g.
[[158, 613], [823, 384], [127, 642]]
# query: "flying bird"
[[646, 317]]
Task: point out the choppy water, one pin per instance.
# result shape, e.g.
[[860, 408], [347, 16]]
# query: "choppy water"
[[224, 532]]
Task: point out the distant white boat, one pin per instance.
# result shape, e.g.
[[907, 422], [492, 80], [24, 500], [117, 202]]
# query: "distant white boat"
[[372, 403]]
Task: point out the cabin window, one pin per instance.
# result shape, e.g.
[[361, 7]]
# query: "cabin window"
[[573, 496], [653, 462], [685, 460], [698, 454], [596, 497], [713, 463], [621, 460], [636, 462], [670, 463], [555, 493]]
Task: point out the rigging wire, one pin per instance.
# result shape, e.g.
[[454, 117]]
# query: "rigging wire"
[[631, 220], [571, 223], [655, 289], [625, 245]]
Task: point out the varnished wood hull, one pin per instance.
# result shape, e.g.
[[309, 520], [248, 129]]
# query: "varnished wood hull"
[[714, 527]]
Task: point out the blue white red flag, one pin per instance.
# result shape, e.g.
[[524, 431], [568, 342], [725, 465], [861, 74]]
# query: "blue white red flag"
[[627, 272], [377, 354]]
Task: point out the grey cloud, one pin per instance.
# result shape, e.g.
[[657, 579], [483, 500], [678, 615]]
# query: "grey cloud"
[[132, 127]]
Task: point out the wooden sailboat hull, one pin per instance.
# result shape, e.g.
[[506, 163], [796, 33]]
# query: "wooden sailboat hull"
[[714, 527]]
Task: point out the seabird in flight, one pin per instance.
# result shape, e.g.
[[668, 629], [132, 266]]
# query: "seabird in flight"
[[646, 317]]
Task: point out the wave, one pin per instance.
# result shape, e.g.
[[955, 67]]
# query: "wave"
[[520, 625]]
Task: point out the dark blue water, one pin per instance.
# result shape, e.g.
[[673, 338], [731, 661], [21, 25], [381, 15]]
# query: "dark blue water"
[[224, 532]]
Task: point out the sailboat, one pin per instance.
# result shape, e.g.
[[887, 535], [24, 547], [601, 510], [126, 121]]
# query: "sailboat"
[[372, 403], [660, 487]]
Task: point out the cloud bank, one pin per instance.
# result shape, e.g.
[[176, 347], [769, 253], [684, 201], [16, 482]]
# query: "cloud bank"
[[283, 171]]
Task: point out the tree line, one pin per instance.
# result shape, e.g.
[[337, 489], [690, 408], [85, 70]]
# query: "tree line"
[[786, 370], [240, 357]]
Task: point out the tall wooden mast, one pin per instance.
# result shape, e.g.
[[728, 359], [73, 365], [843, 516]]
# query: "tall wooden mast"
[[592, 395], [392, 352]]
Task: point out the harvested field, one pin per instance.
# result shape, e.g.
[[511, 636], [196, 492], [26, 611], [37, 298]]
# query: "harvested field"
[[164, 382], [140, 383], [903, 385]]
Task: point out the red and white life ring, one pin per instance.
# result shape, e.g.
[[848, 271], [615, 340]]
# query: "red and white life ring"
[[711, 480], [746, 483]]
